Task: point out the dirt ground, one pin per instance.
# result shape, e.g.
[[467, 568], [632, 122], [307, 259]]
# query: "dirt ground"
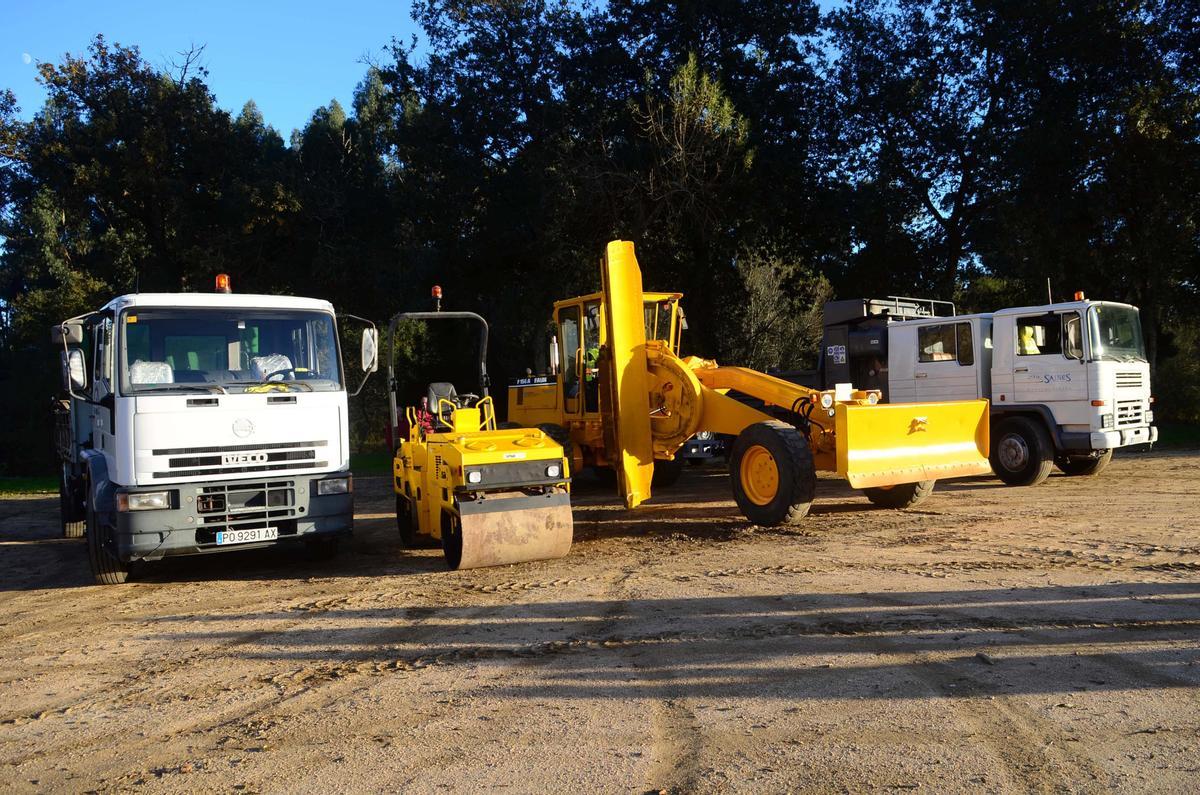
[[996, 639]]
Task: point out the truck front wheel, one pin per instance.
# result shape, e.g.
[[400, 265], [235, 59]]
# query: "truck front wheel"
[[1084, 466], [105, 568], [1022, 453]]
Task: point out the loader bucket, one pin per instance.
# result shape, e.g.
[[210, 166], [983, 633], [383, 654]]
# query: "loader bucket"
[[509, 527], [890, 444]]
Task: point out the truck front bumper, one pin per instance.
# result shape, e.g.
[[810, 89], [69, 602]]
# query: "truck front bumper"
[[1108, 440], [201, 510]]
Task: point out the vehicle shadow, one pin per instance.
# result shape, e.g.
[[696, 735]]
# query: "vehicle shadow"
[[877, 645]]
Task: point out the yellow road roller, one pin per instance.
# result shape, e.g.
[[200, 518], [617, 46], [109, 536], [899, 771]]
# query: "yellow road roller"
[[623, 397], [487, 495]]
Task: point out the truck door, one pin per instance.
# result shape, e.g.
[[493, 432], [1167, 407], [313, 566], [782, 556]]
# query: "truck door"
[[1042, 372], [902, 358], [104, 403], [946, 364]]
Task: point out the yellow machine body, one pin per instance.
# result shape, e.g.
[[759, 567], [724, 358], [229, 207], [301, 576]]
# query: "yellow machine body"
[[651, 400], [487, 495]]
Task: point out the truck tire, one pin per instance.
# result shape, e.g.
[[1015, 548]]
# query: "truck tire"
[[666, 473], [1022, 453], [410, 531], [772, 473], [74, 519], [902, 495], [106, 569], [1084, 466]]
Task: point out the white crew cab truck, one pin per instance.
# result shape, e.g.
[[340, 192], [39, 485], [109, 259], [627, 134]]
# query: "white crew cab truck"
[[1068, 382], [196, 423]]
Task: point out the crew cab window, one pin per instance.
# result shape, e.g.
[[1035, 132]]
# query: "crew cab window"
[[1039, 335], [946, 342]]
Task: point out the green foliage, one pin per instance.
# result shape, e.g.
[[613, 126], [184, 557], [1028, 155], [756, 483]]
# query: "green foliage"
[[761, 155]]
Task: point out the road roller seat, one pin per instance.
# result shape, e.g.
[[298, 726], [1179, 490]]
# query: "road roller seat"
[[439, 391]]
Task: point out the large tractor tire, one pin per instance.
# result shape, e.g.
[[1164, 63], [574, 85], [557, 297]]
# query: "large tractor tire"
[[903, 495], [772, 473], [666, 472], [105, 568], [1084, 466], [559, 434], [74, 518], [410, 531], [1022, 453]]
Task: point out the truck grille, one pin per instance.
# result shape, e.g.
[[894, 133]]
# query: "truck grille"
[[246, 506], [1129, 380], [241, 459], [1129, 412]]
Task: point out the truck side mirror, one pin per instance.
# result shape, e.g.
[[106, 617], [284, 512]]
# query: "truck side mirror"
[[68, 333], [74, 370], [370, 350]]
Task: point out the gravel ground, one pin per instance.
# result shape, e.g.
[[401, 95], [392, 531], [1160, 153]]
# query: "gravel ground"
[[995, 639]]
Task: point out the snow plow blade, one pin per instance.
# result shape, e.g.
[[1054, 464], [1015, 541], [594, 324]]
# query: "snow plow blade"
[[890, 444], [510, 527]]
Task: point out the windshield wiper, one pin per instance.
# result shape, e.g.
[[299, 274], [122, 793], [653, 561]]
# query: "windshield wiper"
[[205, 388], [273, 383]]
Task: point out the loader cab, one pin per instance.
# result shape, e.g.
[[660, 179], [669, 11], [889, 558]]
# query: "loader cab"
[[581, 335]]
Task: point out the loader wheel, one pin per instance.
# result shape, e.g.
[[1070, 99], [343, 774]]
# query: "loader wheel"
[[666, 473], [902, 495], [105, 568], [74, 520], [559, 434], [1084, 466], [1022, 454], [772, 473], [410, 531]]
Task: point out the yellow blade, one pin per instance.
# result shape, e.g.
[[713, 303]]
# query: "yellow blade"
[[895, 443], [627, 377]]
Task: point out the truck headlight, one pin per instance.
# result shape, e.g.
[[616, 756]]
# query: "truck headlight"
[[1106, 420], [333, 486], [1149, 417], [475, 476], [553, 471], [143, 501]]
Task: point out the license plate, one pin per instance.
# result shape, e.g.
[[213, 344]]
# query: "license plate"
[[247, 536]]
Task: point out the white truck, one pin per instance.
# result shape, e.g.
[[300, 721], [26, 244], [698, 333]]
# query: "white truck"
[[196, 423], [1068, 382]]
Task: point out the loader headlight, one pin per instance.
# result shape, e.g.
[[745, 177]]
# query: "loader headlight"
[[553, 471], [475, 476], [827, 400], [143, 501], [333, 486]]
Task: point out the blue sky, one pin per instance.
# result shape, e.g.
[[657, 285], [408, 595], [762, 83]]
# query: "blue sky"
[[289, 57]]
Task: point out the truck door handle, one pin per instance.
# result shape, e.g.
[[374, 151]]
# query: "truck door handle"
[[1020, 369], [921, 375]]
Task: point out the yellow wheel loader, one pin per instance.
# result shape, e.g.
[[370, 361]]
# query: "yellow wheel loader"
[[487, 495], [626, 400]]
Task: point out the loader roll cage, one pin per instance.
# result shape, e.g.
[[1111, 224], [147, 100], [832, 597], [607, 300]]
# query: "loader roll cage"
[[393, 325]]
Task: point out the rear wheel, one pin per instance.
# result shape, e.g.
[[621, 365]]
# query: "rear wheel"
[[903, 495], [409, 526], [105, 567], [1086, 465], [772, 473], [1022, 454], [666, 473], [559, 434], [74, 519]]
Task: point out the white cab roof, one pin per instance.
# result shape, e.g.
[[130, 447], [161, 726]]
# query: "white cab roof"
[[217, 301], [1015, 310]]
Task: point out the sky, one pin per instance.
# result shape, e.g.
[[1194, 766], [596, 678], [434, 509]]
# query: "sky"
[[290, 58]]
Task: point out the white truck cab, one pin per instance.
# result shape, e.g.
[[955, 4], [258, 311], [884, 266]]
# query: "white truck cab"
[[1068, 382], [197, 423]]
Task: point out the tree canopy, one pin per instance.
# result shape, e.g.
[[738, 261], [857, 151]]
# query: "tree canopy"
[[763, 156]]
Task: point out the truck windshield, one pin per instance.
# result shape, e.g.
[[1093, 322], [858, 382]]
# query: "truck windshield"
[[227, 350], [1116, 333]]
